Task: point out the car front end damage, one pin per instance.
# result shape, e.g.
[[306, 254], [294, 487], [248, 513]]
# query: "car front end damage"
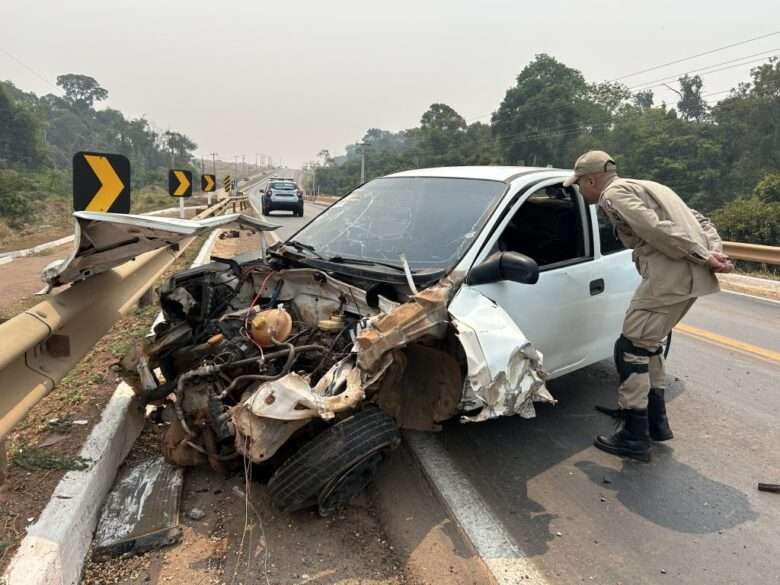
[[298, 370]]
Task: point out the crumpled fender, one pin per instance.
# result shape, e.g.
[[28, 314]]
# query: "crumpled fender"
[[505, 374]]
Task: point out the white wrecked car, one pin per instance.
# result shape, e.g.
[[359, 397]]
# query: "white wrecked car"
[[418, 297]]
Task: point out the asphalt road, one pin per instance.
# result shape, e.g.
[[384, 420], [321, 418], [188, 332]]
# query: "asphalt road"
[[691, 516], [289, 223]]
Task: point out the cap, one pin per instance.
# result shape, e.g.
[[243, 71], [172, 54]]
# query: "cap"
[[593, 161]]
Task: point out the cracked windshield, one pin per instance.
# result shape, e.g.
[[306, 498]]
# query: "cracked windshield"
[[393, 217]]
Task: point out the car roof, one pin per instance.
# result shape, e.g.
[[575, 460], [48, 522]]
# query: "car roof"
[[486, 172]]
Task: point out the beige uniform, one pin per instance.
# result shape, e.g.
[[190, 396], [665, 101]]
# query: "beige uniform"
[[671, 245]]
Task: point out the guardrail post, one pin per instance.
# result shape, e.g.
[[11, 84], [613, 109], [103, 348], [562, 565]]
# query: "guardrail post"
[[3, 462], [147, 298]]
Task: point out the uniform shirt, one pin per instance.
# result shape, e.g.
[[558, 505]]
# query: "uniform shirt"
[[671, 242]]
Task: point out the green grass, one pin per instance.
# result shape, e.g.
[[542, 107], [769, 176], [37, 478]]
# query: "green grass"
[[32, 459]]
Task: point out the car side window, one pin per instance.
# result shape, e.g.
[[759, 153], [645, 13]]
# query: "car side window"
[[548, 227], [610, 243]]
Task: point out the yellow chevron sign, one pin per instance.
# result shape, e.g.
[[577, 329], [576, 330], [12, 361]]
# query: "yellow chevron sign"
[[208, 183], [101, 182], [179, 183]]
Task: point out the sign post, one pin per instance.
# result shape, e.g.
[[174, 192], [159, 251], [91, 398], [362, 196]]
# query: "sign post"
[[180, 185], [208, 184]]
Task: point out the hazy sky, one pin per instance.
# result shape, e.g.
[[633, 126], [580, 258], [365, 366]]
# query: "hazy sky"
[[290, 78]]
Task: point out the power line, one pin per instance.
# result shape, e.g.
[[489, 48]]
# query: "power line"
[[30, 69], [710, 52], [647, 84]]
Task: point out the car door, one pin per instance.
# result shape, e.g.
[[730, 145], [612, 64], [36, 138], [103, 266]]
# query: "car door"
[[621, 278], [553, 226]]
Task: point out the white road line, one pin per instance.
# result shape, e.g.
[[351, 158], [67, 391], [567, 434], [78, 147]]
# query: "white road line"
[[502, 556], [755, 297]]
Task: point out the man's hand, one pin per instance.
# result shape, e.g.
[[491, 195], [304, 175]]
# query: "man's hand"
[[719, 262]]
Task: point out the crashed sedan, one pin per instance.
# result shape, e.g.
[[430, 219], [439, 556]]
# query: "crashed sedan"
[[418, 298]]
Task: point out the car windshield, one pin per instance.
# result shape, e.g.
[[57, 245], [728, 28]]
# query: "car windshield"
[[430, 221], [283, 186]]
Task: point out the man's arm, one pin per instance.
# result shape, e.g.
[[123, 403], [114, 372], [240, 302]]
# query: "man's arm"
[[665, 236], [714, 242]]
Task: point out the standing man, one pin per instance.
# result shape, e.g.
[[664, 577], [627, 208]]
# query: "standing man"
[[677, 251]]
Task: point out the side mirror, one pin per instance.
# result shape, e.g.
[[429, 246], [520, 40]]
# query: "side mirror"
[[505, 266]]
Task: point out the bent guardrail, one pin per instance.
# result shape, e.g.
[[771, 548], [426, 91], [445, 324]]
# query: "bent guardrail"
[[41, 345]]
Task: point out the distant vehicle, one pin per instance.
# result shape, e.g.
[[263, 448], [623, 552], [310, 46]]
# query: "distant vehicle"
[[282, 195]]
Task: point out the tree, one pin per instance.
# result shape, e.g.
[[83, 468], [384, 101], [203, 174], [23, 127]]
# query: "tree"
[[81, 90], [442, 134], [539, 115], [643, 99], [180, 145], [21, 136], [691, 105], [749, 220], [768, 189]]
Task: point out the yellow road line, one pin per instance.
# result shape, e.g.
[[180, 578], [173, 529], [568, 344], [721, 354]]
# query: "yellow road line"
[[727, 342]]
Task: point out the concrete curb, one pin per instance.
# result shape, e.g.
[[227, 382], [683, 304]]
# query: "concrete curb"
[[36, 249], [53, 551], [504, 559], [750, 285], [55, 547]]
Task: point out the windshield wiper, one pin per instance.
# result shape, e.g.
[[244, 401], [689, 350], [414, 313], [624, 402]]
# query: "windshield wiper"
[[364, 262], [301, 247]]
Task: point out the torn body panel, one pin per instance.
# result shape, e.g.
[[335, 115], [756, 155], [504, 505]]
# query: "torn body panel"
[[505, 374]]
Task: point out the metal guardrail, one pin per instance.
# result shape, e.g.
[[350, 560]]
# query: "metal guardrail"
[[753, 252], [41, 345]]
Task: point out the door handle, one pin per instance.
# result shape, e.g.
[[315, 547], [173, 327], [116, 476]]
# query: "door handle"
[[596, 286]]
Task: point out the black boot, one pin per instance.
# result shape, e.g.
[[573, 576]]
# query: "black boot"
[[656, 414], [632, 438]]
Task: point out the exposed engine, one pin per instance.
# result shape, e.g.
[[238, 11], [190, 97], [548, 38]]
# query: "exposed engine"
[[227, 330]]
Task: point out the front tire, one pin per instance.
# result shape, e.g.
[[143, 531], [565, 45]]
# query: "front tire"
[[337, 465]]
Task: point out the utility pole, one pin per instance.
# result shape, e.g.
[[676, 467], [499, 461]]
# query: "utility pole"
[[243, 163], [235, 172], [363, 162]]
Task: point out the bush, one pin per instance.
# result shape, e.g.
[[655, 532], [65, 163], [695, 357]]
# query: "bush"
[[751, 221], [768, 189], [14, 196]]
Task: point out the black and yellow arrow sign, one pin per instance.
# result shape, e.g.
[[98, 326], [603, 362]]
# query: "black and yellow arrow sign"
[[101, 182], [179, 183], [208, 183], [227, 183]]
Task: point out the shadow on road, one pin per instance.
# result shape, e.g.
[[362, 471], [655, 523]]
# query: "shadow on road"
[[504, 456], [672, 494]]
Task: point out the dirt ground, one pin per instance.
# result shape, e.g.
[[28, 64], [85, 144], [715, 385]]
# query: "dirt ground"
[[21, 278], [240, 543]]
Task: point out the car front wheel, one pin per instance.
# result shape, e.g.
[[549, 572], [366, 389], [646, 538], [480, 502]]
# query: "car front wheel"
[[337, 465]]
